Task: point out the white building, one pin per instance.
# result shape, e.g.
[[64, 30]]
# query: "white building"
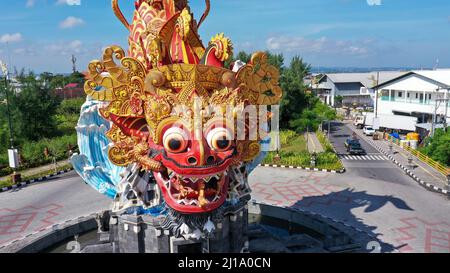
[[356, 89], [416, 94]]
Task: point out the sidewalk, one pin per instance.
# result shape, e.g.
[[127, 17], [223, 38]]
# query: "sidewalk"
[[313, 142], [37, 170], [422, 171]]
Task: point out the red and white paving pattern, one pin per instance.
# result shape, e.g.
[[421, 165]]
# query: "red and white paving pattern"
[[407, 217], [404, 216]]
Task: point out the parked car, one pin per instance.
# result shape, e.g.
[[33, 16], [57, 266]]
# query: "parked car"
[[355, 149], [368, 131], [351, 141]]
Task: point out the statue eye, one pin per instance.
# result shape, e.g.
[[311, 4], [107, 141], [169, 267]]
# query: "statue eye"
[[175, 140], [219, 139]]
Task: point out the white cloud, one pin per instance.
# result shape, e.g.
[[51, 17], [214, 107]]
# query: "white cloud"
[[30, 3], [11, 38], [323, 45], [69, 2], [71, 22], [66, 48], [374, 2]]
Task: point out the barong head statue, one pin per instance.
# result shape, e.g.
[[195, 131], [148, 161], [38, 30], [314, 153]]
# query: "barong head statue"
[[178, 116]]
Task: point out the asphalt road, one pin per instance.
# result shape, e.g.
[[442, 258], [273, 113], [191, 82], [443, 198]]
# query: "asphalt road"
[[373, 197], [393, 216], [29, 209], [373, 165]]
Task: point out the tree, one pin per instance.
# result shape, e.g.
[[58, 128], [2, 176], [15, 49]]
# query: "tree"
[[294, 96], [338, 100], [437, 147], [35, 107], [76, 77]]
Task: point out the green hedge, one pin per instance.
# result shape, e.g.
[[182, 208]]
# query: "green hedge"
[[325, 142], [329, 161], [32, 153]]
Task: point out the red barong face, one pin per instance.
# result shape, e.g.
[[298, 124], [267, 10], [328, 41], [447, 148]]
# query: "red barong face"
[[175, 109]]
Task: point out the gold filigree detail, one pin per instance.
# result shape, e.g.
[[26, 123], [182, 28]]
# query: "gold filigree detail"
[[262, 81], [223, 46]]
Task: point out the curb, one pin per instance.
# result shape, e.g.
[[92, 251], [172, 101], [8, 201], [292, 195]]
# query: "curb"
[[44, 238], [411, 174], [328, 220], [303, 168], [34, 181]]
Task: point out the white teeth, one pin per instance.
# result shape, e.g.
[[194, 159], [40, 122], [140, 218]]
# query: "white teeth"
[[194, 179], [194, 203], [181, 202], [207, 179], [216, 198], [217, 176]]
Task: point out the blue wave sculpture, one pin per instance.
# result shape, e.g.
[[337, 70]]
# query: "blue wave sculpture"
[[93, 164]]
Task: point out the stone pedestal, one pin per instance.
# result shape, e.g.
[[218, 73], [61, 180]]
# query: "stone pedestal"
[[143, 234]]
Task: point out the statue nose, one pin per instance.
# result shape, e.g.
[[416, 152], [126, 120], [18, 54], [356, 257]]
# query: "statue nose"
[[192, 160]]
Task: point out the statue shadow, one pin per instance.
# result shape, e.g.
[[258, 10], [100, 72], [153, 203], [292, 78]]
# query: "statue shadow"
[[339, 205]]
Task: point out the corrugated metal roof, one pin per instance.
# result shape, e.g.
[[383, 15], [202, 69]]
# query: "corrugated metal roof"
[[369, 80], [441, 75]]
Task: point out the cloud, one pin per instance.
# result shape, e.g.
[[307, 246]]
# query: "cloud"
[[374, 2], [323, 45], [30, 3], [11, 38], [68, 2], [66, 48], [71, 22]]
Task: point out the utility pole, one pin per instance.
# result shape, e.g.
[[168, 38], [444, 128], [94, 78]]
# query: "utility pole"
[[74, 64], [376, 95], [445, 100], [8, 111], [12, 152]]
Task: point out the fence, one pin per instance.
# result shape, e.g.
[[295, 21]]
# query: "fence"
[[424, 158]]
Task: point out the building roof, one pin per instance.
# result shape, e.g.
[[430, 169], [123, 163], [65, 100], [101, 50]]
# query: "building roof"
[[367, 79], [72, 85], [441, 77], [428, 126]]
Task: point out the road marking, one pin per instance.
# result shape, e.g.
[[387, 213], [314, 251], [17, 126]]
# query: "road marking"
[[363, 157]]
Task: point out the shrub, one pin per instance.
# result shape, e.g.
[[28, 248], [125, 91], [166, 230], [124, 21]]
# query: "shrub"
[[32, 153], [325, 142], [437, 147]]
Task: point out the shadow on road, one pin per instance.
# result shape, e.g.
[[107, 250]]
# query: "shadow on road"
[[339, 206]]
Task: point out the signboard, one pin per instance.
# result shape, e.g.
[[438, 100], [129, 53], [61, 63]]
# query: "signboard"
[[13, 156]]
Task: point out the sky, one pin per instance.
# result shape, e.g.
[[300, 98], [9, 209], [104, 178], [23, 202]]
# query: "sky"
[[42, 35]]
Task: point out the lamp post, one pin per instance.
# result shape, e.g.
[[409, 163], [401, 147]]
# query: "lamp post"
[[12, 152], [6, 75]]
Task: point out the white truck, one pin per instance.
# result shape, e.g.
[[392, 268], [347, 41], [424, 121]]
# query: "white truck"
[[363, 120], [395, 122]]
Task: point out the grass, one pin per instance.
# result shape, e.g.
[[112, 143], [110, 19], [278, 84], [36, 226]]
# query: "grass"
[[293, 142], [294, 152], [8, 182]]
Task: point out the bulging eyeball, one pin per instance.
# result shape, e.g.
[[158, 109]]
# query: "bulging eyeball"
[[154, 79], [220, 139], [175, 140]]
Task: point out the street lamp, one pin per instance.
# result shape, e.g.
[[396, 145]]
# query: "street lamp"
[[13, 154], [6, 75]]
